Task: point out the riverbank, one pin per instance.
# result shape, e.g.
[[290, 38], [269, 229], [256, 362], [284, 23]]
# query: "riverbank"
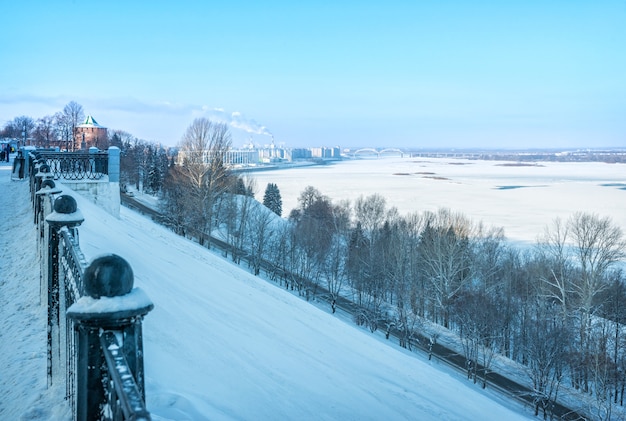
[[283, 165]]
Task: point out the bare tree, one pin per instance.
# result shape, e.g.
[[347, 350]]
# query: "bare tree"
[[64, 129], [234, 213], [233, 220], [602, 370], [369, 254], [489, 248], [203, 148], [582, 253], [314, 234], [477, 314], [370, 212], [557, 279], [446, 258], [598, 244], [513, 287], [175, 203], [45, 131], [260, 235], [309, 196], [546, 351], [9, 130], [334, 266], [22, 128], [73, 115], [285, 255], [403, 275], [614, 312]]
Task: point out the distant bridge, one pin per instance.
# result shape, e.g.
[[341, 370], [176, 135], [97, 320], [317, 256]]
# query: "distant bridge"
[[378, 153]]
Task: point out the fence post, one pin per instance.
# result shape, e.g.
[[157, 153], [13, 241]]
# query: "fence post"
[[114, 164], [112, 310], [33, 167], [65, 214], [114, 181], [43, 173], [42, 205]]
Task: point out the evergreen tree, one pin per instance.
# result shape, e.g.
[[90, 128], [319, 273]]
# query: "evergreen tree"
[[157, 168], [272, 199], [151, 172], [243, 189]]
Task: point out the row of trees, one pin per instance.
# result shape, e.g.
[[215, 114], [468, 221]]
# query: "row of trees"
[[143, 165], [556, 308], [48, 129]]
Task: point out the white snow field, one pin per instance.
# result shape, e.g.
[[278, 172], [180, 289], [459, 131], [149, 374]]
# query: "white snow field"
[[521, 199], [220, 344]]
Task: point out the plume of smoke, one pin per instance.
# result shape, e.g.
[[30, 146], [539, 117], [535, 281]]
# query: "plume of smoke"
[[238, 121], [235, 120]]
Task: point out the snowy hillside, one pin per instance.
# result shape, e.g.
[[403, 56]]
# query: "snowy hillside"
[[222, 344]]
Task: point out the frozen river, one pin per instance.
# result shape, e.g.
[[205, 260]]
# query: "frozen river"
[[521, 199]]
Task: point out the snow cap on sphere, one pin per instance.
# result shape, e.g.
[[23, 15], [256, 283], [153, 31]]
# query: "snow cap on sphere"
[[108, 276]]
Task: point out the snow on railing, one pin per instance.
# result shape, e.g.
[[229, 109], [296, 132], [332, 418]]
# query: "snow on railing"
[[95, 315]]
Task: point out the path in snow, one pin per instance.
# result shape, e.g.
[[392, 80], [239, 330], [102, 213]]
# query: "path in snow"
[[23, 390]]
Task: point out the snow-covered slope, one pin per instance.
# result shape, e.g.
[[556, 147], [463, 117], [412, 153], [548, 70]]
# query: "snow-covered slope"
[[222, 344]]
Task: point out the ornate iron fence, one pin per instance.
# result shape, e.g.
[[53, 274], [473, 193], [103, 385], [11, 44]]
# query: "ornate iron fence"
[[75, 165], [99, 355], [72, 265]]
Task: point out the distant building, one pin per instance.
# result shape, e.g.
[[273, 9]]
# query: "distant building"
[[252, 156], [301, 153], [89, 134], [326, 153]]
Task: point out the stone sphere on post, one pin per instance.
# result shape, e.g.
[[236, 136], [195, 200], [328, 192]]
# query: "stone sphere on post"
[[65, 212], [108, 276], [48, 186], [43, 171], [47, 183], [65, 204]]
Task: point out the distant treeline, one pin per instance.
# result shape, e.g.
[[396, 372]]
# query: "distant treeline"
[[608, 156]]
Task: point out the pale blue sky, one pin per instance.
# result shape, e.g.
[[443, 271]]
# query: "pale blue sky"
[[510, 74]]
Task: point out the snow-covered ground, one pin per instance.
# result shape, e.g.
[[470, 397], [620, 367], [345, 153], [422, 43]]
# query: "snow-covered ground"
[[521, 199], [215, 349], [23, 391], [220, 344]]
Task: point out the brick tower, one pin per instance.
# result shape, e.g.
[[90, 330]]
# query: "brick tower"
[[89, 134]]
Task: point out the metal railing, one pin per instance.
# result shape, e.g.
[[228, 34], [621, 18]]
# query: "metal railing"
[[75, 165], [99, 355], [126, 399]]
